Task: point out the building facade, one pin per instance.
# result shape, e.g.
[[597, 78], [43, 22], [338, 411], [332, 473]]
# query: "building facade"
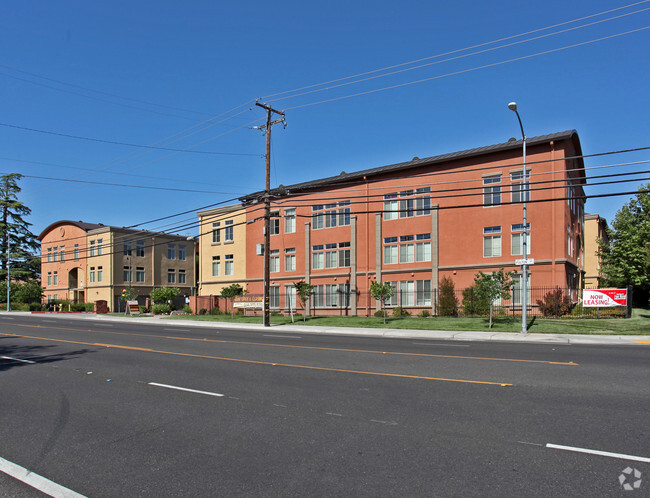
[[222, 242], [413, 223], [84, 262], [595, 231]]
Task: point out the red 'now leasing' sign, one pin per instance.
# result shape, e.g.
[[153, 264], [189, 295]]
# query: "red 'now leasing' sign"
[[604, 297]]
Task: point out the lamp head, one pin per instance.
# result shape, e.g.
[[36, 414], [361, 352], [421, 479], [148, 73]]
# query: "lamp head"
[[512, 106]]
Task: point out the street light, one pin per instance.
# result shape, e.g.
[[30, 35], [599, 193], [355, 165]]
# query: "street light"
[[524, 267]]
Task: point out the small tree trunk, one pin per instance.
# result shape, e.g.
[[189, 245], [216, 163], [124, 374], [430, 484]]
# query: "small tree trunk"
[[490, 315]]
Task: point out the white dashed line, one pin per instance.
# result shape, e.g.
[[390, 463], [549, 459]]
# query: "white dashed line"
[[598, 452], [445, 345], [35, 481], [283, 336], [207, 393]]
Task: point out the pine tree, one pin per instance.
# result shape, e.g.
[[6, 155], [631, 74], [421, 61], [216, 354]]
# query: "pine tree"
[[18, 244]]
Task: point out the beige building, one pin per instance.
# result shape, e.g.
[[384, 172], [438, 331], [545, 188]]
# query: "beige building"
[[85, 262], [222, 242], [595, 229]]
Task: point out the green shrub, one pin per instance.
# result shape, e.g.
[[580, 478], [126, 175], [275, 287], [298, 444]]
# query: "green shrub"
[[78, 307], [555, 303], [202, 311], [381, 313], [161, 309], [424, 314], [473, 304], [35, 306], [216, 311], [143, 309], [187, 309], [447, 302], [399, 311]]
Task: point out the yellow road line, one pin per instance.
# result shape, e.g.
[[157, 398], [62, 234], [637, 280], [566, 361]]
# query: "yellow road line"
[[642, 342], [367, 351], [257, 362]]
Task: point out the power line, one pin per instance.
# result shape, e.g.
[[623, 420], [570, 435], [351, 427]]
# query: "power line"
[[113, 142]]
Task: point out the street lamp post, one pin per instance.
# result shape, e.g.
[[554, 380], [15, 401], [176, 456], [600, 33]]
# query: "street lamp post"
[[524, 267]]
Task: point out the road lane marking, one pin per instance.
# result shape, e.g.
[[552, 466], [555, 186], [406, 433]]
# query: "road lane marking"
[[35, 481], [256, 362], [367, 351], [283, 336], [642, 342], [16, 359], [598, 452], [207, 393]]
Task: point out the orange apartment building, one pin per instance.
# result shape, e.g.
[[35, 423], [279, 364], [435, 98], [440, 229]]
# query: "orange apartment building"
[[415, 222], [595, 230], [88, 262]]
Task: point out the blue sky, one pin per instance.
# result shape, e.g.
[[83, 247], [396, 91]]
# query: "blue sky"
[[141, 72]]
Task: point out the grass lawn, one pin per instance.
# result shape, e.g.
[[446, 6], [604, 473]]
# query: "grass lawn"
[[637, 325]]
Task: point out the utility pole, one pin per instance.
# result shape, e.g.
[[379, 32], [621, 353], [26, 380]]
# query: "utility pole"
[[267, 205]]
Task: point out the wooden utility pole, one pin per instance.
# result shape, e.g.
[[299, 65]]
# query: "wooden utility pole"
[[267, 206]]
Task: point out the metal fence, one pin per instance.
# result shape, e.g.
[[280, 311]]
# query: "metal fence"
[[551, 302]]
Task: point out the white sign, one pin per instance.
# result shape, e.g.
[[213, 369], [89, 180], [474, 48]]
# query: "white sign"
[[521, 262], [604, 297]]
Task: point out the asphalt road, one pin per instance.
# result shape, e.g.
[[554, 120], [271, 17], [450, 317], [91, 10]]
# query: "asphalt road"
[[95, 407]]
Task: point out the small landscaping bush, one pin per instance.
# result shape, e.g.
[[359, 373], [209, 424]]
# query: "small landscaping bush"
[[447, 302], [381, 313], [424, 314], [399, 311], [555, 303], [161, 309], [187, 309], [216, 311], [202, 311]]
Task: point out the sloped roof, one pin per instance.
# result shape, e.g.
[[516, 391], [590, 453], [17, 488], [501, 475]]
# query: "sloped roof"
[[86, 227], [416, 163]]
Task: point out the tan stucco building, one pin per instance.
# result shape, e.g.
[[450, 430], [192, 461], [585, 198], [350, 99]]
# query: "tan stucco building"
[[87, 262], [222, 239], [595, 230]]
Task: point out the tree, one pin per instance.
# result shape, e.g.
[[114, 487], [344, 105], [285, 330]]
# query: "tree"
[[447, 302], [626, 259], [494, 286], [27, 292], [231, 292], [17, 243], [162, 295], [303, 290], [382, 292]]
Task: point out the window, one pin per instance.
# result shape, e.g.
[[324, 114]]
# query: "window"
[[139, 248], [423, 292], [100, 274], [290, 296], [290, 259], [518, 189], [62, 253], [230, 264], [56, 253], [274, 223], [49, 278], [91, 275], [318, 257], [407, 293], [491, 243], [91, 251], [517, 240], [331, 256], [55, 279], [327, 216], [128, 248], [182, 279], [182, 254], [75, 252], [127, 274], [517, 288], [229, 232], [139, 274], [171, 251], [491, 192], [274, 260], [274, 296], [407, 248], [216, 233], [289, 220], [49, 254], [407, 204], [171, 276], [318, 296], [394, 299], [99, 247], [216, 266]]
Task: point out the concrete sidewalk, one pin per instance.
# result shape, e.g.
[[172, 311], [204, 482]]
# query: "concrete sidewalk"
[[367, 332]]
